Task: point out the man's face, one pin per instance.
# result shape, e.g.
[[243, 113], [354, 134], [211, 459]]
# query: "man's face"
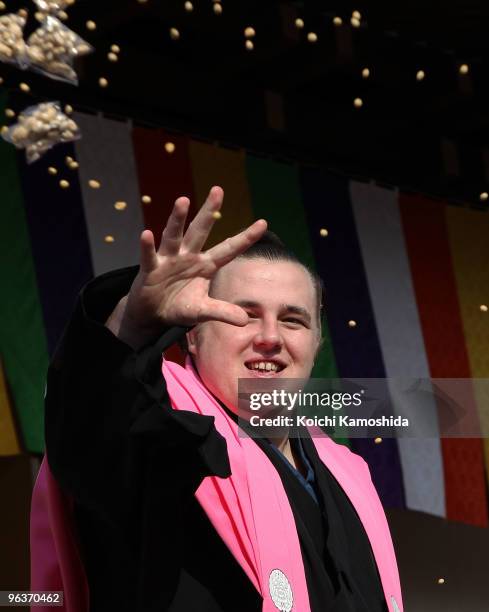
[[283, 329]]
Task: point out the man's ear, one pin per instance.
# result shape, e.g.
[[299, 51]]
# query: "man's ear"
[[192, 340], [319, 346]]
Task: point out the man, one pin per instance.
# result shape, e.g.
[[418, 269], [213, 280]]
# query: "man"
[[158, 502]]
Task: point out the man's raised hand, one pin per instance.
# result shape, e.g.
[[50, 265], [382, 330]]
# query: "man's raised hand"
[[172, 285]]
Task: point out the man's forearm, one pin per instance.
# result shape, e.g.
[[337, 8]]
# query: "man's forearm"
[[122, 328]]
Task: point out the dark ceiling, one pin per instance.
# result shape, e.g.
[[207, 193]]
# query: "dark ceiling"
[[291, 98]]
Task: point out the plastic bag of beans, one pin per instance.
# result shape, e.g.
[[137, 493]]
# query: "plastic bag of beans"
[[12, 45], [53, 48], [41, 127]]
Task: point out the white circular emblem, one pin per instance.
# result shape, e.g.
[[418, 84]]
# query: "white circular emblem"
[[395, 607], [280, 591]]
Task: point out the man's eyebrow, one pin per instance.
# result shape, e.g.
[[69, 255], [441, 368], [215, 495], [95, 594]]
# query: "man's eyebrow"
[[299, 310], [289, 308], [247, 304]]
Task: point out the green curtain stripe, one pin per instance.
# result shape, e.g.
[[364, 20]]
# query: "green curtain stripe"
[[22, 336], [276, 197]]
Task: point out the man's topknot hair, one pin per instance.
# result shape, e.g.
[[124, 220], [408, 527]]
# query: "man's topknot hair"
[[269, 246]]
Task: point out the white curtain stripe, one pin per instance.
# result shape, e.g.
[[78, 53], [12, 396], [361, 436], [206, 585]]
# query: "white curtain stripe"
[[105, 155], [381, 237]]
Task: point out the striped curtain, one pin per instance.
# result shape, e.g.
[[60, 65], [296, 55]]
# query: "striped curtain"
[[411, 273]]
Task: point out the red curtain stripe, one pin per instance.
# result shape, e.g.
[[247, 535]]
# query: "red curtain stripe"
[[436, 294]]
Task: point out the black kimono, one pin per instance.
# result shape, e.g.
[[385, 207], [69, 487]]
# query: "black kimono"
[[132, 465]]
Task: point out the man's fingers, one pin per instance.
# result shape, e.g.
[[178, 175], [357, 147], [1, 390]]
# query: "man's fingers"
[[149, 259], [172, 235], [199, 230], [218, 310], [226, 251]]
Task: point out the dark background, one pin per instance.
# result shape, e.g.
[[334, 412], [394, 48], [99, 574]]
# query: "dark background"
[[294, 99]]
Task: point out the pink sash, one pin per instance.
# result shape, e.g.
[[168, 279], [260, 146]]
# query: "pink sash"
[[249, 510]]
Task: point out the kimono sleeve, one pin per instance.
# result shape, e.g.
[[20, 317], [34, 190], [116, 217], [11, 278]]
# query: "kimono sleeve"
[[109, 422]]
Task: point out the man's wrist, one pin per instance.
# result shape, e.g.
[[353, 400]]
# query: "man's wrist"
[[121, 326], [114, 321]]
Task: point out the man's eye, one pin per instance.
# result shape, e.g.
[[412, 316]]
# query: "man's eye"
[[292, 320], [252, 315]]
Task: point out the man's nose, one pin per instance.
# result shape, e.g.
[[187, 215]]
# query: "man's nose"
[[268, 335]]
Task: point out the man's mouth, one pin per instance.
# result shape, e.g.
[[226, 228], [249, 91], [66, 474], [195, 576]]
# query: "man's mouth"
[[265, 366]]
